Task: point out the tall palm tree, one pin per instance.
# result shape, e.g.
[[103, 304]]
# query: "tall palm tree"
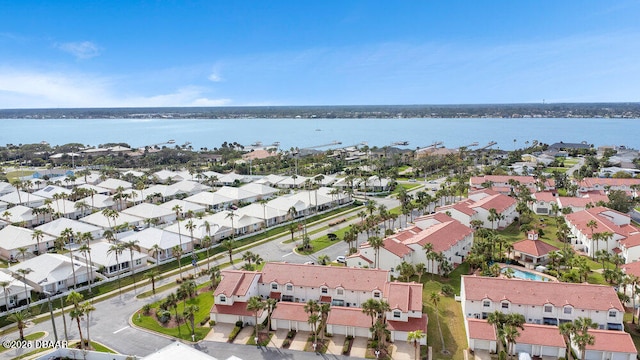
[[592, 224], [578, 333], [214, 276], [85, 249], [87, 308], [228, 246], [178, 252], [155, 251], [435, 300], [117, 250], [178, 210], [132, 245], [5, 290], [37, 235], [67, 234], [231, 215], [270, 305], [415, 337], [77, 313], [254, 305], [376, 243], [206, 243], [189, 314], [24, 272]]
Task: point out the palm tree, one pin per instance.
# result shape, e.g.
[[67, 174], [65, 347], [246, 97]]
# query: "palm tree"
[[206, 243], [420, 269], [178, 252], [510, 334], [214, 276], [77, 313], [37, 235], [228, 246], [270, 305], [132, 245], [189, 314], [592, 224], [5, 290], [85, 249], [231, 215], [152, 275], [254, 305], [117, 249], [67, 234], [376, 243], [415, 337], [313, 308], [578, 333], [369, 308], [435, 300], [155, 250], [24, 272], [493, 216], [87, 308], [20, 318]]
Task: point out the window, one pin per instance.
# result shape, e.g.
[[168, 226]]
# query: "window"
[[567, 310], [289, 287], [223, 298], [396, 314], [613, 313], [288, 298], [324, 290], [548, 308], [376, 294], [505, 305], [486, 303], [138, 261], [274, 286], [340, 291]]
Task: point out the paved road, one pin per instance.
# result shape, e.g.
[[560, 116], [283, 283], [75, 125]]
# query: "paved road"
[[110, 326]]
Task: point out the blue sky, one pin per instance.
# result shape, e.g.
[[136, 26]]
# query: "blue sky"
[[247, 53]]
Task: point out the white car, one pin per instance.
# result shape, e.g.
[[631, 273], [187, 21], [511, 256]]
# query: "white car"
[[341, 259]]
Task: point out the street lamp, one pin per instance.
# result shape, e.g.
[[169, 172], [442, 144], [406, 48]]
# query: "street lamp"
[[53, 322]]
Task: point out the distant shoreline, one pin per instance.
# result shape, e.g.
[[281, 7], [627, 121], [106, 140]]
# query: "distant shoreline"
[[567, 110]]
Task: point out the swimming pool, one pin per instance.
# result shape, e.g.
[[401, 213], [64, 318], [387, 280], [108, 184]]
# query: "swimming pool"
[[521, 274]]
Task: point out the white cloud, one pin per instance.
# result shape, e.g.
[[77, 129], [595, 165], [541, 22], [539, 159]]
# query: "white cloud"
[[21, 88], [214, 77], [81, 50]]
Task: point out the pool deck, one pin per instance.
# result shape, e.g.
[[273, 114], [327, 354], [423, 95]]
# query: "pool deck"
[[543, 275]]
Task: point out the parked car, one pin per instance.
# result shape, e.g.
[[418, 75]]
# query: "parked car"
[[341, 259]]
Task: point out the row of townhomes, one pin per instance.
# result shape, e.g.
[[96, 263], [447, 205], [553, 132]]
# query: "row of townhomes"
[[545, 305], [346, 289], [89, 214]]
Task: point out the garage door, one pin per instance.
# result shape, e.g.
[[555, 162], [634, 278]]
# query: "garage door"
[[339, 330], [550, 351], [594, 355], [526, 348], [399, 335], [362, 332], [481, 344], [620, 356]]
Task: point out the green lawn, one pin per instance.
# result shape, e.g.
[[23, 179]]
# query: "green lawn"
[[34, 336], [204, 301], [13, 175]]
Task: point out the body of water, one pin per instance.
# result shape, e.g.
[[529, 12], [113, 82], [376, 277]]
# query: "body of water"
[[303, 133]]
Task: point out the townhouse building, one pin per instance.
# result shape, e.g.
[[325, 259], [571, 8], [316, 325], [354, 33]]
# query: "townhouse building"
[[541, 302], [346, 289]]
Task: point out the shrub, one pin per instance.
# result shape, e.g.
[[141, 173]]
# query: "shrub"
[[212, 323], [164, 316], [447, 289], [146, 309], [346, 348], [502, 355], [286, 343], [239, 324], [205, 320], [234, 333], [291, 334]]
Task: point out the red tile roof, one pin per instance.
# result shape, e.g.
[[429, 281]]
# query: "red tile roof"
[[502, 179], [544, 196], [602, 182], [313, 276], [544, 335], [404, 296], [631, 241], [536, 248], [238, 308], [582, 201], [290, 311], [499, 202], [412, 324], [348, 316], [235, 282], [611, 340], [581, 218], [443, 236], [517, 291], [359, 255], [396, 247], [632, 268], [481, 330]]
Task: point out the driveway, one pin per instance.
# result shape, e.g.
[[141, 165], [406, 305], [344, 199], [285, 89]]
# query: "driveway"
[[278, 338], [359, 347], [300, 341], [244, 335], [403, 351], [219, 332], [336, 342]]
